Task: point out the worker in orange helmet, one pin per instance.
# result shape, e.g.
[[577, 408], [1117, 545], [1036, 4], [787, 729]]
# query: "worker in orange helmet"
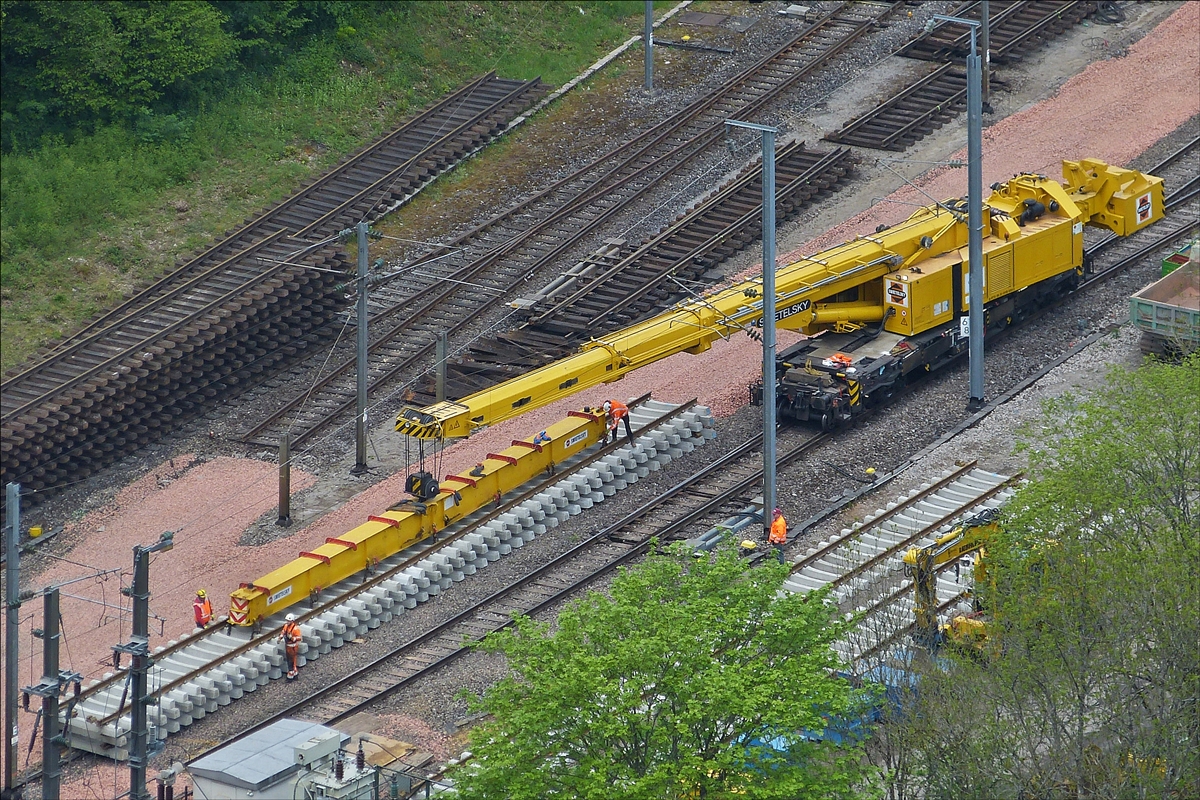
[[290, 636], [778, 535], [202, 609], [617, 412]]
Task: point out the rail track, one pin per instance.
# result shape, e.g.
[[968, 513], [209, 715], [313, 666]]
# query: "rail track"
[[601, 295], [863, 567], [731, 219], [917, 111], [195, 675], [1014, 28], [860, 565], [709, 495], [1186, 193], [444, 290], [233, 311], [928, 103]]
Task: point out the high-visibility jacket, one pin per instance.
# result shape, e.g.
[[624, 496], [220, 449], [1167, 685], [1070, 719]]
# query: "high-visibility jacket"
[[291, 634], [778, 531], [618, 411], [203, 611]]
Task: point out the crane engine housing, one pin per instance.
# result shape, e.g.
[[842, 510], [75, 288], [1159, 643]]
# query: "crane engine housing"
[[871, 339]]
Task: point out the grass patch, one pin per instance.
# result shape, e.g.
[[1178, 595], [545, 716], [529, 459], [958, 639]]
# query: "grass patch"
[[86, 222]]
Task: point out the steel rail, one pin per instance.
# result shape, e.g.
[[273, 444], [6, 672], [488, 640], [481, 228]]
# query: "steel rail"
[[473, 113], [751, 217], [146, 341], [435, 544], [136, 303], [718, 470], [404, 328], [619, 168], [926, 104]]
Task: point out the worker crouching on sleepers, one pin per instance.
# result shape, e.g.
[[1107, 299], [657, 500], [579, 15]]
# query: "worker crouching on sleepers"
[[617, 412], [290, 636], [202, 609], [778, 535]]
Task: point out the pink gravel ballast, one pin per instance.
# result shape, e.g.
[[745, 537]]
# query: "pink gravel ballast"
[[207, 505], [1113, 110]]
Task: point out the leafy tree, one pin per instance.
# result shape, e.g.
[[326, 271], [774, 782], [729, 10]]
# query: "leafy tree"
[[80, 61], [83, 62], [266, 30], [1095, 608], [669, 687]]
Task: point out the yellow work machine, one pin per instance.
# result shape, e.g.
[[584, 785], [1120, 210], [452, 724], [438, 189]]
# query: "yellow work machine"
[[877, 309], [434, 506], [921, 564]]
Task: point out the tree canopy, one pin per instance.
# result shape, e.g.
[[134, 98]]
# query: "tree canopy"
[[670, 685], [1094, 607], [81, 62]]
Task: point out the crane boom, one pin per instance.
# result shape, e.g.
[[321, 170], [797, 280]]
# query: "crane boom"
[[1031, 221]]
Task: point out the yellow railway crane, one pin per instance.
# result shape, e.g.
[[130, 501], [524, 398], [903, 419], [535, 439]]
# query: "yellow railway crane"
[[884, 305]]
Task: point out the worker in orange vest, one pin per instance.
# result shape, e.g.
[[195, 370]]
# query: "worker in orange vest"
[[778, 535], [202, 608], [617, 412], [290, 636]]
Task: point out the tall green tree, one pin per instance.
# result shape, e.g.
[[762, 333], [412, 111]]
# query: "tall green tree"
[[88, 61], [669, 686], [1095, 610]]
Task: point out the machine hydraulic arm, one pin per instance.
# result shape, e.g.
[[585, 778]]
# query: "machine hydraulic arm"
[[856, 282], [923, 563]]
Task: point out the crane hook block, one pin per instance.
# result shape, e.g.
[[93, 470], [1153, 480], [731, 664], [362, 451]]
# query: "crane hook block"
[[421, 485]]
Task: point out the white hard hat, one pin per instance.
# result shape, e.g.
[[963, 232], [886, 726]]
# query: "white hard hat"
[[607, 406], [290, 617]]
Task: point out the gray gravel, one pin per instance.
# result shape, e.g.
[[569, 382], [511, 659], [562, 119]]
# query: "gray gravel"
[[883, 442], [910, 424]]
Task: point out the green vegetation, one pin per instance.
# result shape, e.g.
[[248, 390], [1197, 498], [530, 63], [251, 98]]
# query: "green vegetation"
[[667, 688], [1091, 686], [134, 133]]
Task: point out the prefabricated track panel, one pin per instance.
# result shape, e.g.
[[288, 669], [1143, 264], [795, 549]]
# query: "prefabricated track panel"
[[215, 667], [1014, 29], [932, 100], [864, 566], [403, 524]]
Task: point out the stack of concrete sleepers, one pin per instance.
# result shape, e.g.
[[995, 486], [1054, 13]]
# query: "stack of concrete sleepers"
[[586, 483]]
